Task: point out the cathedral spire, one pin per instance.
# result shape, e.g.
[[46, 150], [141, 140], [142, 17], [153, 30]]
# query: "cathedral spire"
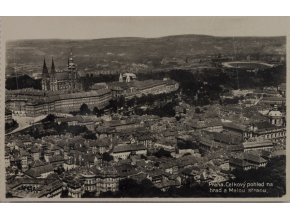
[[70, 59], [71, 66], [52, 66], [44, 69]]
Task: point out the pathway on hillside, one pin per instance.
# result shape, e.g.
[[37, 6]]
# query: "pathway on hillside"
[[25, 122]]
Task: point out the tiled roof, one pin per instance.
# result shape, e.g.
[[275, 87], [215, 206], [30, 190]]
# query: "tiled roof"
[[62, 76], [253, 158], [228, 137], [128, 148], [169, 133], [209, 143], [239, 162], [22, 181], [56, 158], [264, 143], [37, 171], [264, 126], [274, 99], [234, 126], [34, 149], [37, 163], [106, 172], [50, 188]]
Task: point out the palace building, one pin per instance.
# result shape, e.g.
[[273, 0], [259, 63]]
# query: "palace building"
[[29, 102], [60, 80], [129, 87]]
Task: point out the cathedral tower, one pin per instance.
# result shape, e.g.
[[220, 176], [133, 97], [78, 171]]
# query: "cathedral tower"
[[52, 81], [72, 71], [52, 67], [45, 77]]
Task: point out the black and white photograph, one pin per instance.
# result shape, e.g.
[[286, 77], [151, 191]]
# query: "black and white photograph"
[[152, 108]]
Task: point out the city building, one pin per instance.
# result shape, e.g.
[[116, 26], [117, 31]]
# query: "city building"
[[266, 131], [87, 121], [131, 87], [257, 145], [74, 188], [276, 117], [263, 129], [92, 180], [247, 161], [122, 152], [276, 100], [40, 171]]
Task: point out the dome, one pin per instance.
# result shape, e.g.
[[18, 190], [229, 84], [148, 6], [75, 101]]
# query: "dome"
[[275, 113]]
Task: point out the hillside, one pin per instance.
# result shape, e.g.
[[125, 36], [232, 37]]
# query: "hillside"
[[150, 51]]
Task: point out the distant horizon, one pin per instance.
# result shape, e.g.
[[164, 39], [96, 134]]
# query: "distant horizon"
[[140, 37], [89, 28]]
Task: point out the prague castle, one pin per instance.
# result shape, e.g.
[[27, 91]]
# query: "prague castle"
[[62, 80], [61, 92]]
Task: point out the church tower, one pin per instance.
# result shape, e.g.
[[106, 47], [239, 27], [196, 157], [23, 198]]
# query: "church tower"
[[52, 67], [45, 77], [52, 80], [276, 117], [121, 78], [72, 71]]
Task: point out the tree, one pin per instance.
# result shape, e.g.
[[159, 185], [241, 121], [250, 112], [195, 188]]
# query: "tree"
[[197, 110], [84, 109], [162, 153], [64, 194], [113, 104], [90, 135], [131, 188], [76, 130], [11, 126], [107, 157], [9, 195], [121, 101], [50, 118], [97, 111]]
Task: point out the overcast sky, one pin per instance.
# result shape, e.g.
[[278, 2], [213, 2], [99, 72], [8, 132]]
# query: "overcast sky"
[[104, 27]]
